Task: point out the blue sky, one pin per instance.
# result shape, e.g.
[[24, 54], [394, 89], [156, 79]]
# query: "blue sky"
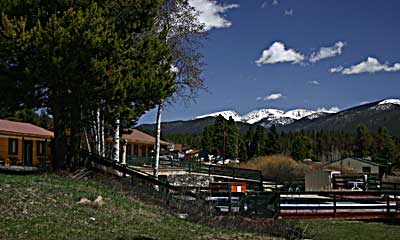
[[289, 54]]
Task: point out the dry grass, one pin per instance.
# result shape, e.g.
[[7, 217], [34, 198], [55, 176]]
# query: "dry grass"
[[279, 167]]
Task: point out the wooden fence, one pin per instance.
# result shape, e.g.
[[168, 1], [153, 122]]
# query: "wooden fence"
[[231, 172]]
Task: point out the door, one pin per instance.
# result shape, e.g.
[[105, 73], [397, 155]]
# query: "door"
[[27, 156]]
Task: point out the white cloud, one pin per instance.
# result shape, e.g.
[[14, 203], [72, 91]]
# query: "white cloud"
[[277, 53], [364, 102], [316, 83], [329, 110], [327, 52], [274, 96], [371, 65], [289, 12], [210, 13], [275, 3], [336, 69]]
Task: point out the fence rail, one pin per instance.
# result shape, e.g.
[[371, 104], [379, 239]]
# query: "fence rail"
[[354, 204], [126, 170], [232, 172]]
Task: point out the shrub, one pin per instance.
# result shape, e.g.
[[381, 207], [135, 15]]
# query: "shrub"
[[280, 167]]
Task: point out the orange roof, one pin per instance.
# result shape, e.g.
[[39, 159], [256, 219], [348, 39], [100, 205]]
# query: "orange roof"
[[20, 128], [138, 136]]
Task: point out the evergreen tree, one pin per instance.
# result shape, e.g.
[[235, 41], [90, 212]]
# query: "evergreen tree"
[[273, 145], [249, 142], [303, 148], [363, 142], [73, 57], [220, 136], [259, 141], [232, 142], [243, 150], [207, 140]]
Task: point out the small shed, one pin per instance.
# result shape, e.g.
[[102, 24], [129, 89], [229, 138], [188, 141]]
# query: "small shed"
[[356, 165]]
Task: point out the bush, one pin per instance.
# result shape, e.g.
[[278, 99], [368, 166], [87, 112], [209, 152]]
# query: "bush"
[[280, 167]]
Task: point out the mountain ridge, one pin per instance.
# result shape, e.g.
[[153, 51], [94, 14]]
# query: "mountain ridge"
[[384, 113]]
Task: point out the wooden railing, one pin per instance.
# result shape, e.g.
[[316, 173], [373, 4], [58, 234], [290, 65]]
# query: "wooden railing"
[[232, 172], [128, 171]]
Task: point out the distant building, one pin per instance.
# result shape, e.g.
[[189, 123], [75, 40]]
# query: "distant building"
[[140, 144], [24, 144], [356, 165]]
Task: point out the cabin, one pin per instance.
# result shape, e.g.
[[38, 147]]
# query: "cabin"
[[140, 145], [24, 144]]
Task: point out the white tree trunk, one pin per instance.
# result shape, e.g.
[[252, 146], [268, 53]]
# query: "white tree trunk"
[[116, 141], [123, 157], [158, 136], [87, 140], [98, 138], [102, 147]]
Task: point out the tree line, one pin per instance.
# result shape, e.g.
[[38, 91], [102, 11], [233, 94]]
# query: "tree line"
[[224, 139]]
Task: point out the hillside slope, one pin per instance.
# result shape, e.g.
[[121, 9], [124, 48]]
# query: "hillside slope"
[[195, 126], [45, 207], [372, 115]]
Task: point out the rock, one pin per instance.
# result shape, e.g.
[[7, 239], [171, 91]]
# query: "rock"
[[99, 201], [85, 201], [182, 215]]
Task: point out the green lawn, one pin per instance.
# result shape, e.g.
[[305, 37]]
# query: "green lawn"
[[45, 207], [336, 229]]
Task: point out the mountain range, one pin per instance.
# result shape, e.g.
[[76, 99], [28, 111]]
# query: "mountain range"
[[384, 113]]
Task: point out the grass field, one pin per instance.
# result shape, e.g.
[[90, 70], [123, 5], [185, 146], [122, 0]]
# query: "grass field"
[[45, 207], [337, 229]]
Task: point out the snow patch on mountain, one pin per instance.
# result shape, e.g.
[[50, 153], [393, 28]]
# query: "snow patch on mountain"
[[258, 115], [226, 114], [298, 113], [390, 101]]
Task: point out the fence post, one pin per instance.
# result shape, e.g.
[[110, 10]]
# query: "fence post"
[[230, 199], [388, 204], [190, 168], [334, 204]]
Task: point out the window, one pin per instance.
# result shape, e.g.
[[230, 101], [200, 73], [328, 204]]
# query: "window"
[[128, 149], [144, 151], [40, 148], [366, 169], [12, 146], [135, 150]]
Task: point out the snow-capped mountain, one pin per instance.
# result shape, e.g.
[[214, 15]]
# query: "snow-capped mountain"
[[226, 114], [383, 113], [258, 115], [268, 117]]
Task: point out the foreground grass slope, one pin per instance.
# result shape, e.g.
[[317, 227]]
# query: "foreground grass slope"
[[338, 229], [45, 207]]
